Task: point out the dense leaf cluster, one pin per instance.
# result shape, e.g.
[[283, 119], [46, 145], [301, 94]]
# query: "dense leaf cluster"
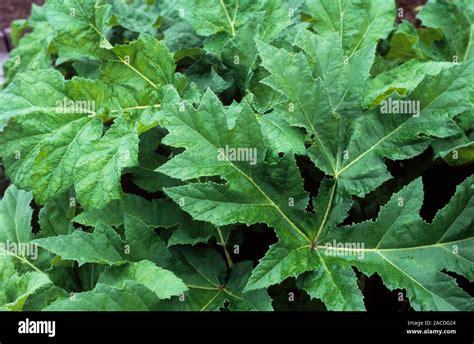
[[144, 140]]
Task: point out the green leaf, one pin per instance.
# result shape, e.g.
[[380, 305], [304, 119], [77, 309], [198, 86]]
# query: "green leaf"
[[407, 43], [254, 193], [394, 80], [354, 158], [44, 297], [240, 53], [465, 120], [50, 127], [15, 102], [280, 136], [145, 176], [209, 18], [140, 67], [31, 54], [160, 281], [456, 151], [409, 253], [81, 28], [359, 24], [98, 170], [136, 15], [16, 232], [129, 77], [457, 24], [183, 41], [43, 139], [271, 194], [106, 298], [15, 216], [16, 289], [204, 76], [290, 258], [335, 285], [254, 196], [204, 273], [103, 246], [192, 233], [32, 49], [158, 213], [143, 243], [460, 155], [194, 129], [55, 218], [282, 260]]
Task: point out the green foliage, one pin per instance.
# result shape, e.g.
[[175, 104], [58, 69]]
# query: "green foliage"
[[143, 140]]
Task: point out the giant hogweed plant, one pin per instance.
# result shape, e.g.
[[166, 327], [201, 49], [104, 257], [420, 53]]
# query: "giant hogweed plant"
[[143, 139]]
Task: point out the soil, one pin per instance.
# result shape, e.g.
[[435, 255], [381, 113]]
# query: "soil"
[[15, 9], [410, 8]]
